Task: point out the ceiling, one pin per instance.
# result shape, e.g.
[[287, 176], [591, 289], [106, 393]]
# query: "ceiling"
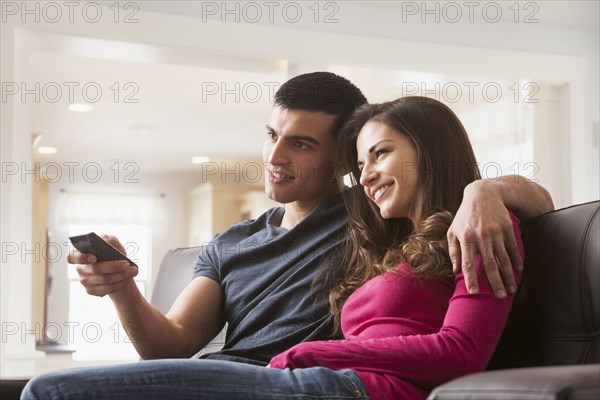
[[564, 13], [159, 106], [156, 115]]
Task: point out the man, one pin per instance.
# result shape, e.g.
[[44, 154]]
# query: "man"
[[259, 276]]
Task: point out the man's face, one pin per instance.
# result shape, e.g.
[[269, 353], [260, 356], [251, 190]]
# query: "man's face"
[[298, 154]]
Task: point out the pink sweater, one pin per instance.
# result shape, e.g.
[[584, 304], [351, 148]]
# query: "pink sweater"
[[405, 335]]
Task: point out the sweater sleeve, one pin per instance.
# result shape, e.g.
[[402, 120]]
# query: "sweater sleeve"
[[465, 343]]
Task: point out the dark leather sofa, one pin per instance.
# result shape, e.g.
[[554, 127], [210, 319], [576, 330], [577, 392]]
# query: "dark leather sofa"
[[551, 345], [550, 348]]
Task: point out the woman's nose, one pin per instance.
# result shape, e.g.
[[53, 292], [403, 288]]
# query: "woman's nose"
[[367, 175]]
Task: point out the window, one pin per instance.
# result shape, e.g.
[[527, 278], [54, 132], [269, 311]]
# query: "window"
[[95, 329]]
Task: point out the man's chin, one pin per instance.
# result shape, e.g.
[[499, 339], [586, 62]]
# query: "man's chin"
[[277, 197]]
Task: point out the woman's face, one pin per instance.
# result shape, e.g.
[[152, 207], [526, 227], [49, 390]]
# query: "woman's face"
[[388, 163]]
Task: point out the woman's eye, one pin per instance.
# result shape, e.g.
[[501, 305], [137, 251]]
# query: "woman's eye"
[[380, 152]]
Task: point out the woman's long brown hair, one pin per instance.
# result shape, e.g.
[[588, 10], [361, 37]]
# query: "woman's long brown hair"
[[446, 164]]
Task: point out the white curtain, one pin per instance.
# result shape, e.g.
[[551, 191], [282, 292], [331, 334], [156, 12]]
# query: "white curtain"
[[89, 208]]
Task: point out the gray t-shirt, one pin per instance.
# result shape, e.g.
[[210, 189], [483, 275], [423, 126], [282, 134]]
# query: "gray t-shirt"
[[267, 274]]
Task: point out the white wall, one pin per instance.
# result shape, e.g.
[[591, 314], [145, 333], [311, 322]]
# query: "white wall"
[[17, 344]]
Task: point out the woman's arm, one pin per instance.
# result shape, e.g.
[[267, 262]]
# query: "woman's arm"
[[465, 343]]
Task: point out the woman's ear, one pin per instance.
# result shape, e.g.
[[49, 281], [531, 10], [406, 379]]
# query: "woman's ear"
[[341, 166], [342, 173], [343, 170]]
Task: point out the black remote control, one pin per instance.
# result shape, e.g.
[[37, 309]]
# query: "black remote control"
[[94, 244]]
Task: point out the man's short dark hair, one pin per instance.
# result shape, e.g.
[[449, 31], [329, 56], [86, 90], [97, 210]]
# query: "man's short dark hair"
[[321, 91]]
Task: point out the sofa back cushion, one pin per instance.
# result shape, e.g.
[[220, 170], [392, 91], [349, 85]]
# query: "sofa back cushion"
[[176, 271], [555, 318]]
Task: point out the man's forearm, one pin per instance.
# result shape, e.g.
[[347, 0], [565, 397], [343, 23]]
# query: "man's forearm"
[[151, 332], [483, 223], [525, 198]]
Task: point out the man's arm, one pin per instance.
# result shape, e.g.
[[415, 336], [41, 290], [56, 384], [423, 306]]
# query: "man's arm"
[[191, 323], [482, 225]]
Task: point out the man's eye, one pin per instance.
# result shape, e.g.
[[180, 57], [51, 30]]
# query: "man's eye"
[[299, 145], [272, 135]]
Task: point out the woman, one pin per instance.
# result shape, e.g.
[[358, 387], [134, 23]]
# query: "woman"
[[402, 335], [407, 326]]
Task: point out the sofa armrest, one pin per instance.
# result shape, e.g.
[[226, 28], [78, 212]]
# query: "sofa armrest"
[[555, 382], [10, 389]]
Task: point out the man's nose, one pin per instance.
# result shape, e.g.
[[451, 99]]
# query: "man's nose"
[[276, 153]]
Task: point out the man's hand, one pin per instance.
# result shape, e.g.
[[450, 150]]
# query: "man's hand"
[[482, 225], [103, 277]]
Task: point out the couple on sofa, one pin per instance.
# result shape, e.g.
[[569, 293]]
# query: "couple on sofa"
[[383, 290]]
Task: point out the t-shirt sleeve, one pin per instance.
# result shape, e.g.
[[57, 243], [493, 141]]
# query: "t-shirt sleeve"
[[471, 329], [207, 262]]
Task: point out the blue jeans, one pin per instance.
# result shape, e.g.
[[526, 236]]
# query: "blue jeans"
[[195, 379]]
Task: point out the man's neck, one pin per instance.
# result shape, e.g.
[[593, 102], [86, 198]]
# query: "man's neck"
[[294, 213], [298, 210]]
